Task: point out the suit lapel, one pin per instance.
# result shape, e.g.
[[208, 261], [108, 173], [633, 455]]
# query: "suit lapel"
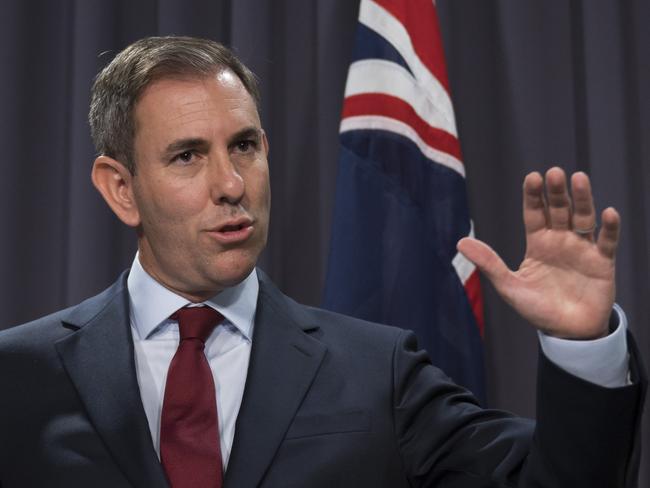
[[284, 361], [99, 359]]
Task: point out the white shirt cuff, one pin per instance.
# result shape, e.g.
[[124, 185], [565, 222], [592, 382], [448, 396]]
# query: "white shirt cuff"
[[601, 361]]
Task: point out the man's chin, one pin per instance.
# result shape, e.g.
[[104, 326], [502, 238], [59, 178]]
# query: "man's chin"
[[213, 275], [231, 279], [231, 274]]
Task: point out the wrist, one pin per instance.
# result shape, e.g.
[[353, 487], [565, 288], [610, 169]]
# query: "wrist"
[[590, 334]]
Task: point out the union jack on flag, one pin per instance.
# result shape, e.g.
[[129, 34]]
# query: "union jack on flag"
[[401, 203]]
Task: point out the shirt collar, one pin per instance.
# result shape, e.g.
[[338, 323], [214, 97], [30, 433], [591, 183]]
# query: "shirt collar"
[[151, 303]]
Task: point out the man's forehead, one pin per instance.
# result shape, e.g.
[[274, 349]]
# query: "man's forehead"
[[176, 100], [223, 79], [226, 77]]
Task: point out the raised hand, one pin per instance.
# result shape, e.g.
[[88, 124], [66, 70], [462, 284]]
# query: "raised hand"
[[565, 285]]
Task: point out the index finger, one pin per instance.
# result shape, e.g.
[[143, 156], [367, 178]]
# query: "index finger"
[[535, 212]]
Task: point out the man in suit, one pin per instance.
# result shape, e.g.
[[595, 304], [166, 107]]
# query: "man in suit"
[[114, 391]]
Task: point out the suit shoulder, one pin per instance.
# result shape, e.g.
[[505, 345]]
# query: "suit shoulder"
[[43, 329], [334, 320], [54, 326], [331, 324]]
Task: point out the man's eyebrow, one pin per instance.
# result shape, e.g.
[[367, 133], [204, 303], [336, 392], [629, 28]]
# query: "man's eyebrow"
[[251, 132], [186, 145]]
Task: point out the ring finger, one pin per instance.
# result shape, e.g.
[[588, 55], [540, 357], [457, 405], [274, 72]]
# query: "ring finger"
[[584, 213]]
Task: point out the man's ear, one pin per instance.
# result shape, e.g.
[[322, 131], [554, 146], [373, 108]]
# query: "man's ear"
[[115, 182]]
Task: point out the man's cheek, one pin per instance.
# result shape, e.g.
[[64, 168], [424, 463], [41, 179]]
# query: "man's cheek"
[[173, 211]]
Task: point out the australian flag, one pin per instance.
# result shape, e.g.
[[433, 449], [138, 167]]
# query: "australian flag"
[[401, 203]]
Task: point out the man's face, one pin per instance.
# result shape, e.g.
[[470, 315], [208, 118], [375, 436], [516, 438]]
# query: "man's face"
[[202, 183]]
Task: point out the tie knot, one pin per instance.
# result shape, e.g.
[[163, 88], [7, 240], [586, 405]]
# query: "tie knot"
[[196, 322]]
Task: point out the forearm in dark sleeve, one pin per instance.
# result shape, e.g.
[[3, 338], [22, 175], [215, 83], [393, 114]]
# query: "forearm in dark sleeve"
[[447, 440]]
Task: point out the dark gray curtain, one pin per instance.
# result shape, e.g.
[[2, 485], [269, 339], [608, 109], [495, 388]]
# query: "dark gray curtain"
[[535, 83]]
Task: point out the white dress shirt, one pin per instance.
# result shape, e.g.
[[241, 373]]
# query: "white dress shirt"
[[603, 361], [155, 337]]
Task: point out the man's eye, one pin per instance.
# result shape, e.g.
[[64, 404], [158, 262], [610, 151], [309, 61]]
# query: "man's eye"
[[184, 157], [245, 146]]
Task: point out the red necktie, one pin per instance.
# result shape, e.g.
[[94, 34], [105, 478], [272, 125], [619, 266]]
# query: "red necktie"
[[190, 448]]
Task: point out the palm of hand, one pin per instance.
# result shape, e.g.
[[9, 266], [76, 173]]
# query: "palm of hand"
[[565, 286]]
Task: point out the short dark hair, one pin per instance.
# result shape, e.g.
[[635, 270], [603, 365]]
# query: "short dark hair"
[[119, 85]]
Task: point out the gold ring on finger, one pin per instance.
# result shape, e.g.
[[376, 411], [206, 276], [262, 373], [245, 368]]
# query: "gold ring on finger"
[[585, 232]]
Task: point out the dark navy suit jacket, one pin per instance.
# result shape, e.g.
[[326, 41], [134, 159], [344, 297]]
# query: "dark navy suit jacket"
[[330, 401]]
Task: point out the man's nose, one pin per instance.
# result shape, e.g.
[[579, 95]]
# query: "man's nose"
[[226, 183]]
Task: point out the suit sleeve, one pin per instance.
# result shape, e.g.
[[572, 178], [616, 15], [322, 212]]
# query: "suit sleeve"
[[586, 435]]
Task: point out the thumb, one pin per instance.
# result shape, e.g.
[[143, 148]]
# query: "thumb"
[[488, 261]]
